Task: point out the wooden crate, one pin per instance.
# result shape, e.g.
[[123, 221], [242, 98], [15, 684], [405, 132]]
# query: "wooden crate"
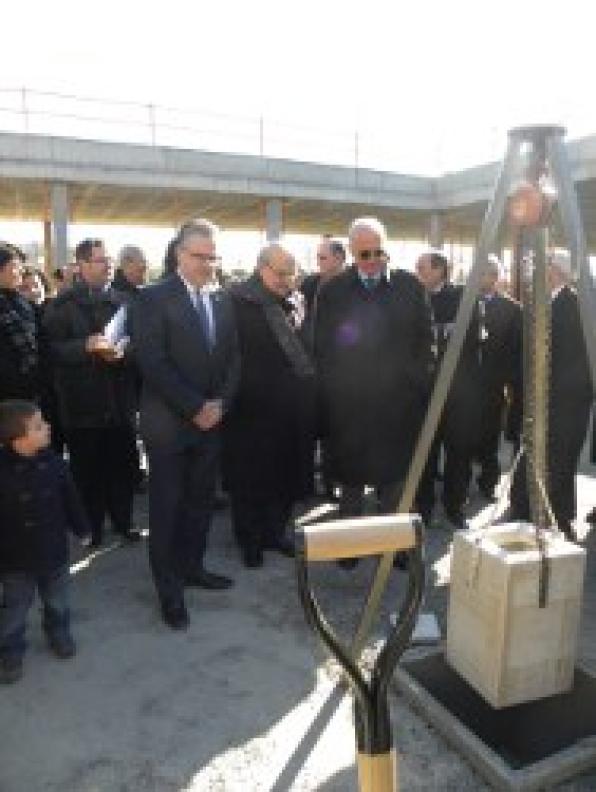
[[498, 638]]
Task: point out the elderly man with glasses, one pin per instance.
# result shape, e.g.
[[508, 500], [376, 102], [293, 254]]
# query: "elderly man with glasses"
[[269, 433], [373, 355]]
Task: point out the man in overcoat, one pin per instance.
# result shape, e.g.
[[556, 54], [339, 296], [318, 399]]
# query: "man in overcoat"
[[270, 429], [372, 347]]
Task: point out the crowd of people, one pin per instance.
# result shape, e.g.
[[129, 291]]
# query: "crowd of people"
[[244, 388]]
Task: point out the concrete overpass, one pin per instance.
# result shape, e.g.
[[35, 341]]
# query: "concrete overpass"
[[59, 180]]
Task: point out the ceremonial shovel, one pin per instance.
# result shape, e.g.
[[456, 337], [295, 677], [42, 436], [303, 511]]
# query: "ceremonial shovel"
[[354, 538]]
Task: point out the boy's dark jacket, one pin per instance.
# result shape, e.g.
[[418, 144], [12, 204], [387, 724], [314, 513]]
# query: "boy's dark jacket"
[[39, 504]]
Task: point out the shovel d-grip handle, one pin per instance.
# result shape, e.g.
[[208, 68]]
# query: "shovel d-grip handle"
[[377, 764]]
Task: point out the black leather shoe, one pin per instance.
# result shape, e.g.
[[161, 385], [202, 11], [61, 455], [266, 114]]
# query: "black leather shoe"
[[348, 563], [253, 558], [175, 617], [11, 670], [208, 580], [455, 519], [62, 646], [129, 536], [282, 545], [401, 561]]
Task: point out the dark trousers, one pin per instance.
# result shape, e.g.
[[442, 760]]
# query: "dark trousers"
[[259, 520], [457, 468], [565, 440], [181, 492], [17, 598], [487, 449], [351, 501], [101, 464]]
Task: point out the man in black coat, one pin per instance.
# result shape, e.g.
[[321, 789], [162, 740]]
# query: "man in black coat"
[[570, 399], [269, 437], [331, 259], [186, 346], [500, 326], [460, 421], [95, 386], [372, 347]]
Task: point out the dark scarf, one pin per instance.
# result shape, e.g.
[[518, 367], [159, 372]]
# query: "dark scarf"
[[17, 323], [278, 313]]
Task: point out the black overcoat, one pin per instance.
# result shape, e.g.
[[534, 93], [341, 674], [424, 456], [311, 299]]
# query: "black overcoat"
[[269, 431], [13, 383], [91, 393], [373, 354], [39, 505]]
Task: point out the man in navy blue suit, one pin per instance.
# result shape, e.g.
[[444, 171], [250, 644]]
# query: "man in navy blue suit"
[[185, 342]]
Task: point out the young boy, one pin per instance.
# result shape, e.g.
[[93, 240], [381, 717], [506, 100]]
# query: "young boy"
[[38, 506]]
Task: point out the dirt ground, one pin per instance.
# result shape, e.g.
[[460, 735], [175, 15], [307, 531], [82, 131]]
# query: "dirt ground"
[[242, 702]]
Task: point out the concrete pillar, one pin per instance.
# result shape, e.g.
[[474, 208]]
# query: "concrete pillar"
[[274, 219], [435, 230], [59, 220], [48, 264]]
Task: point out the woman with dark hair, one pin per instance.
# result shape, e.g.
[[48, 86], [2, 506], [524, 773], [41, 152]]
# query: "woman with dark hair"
[[19, 339]]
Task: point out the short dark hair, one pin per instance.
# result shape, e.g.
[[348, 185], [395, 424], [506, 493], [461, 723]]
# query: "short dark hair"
[[439, 261], [84, 249], [170, 261], [337, 249], [15, 414], [9, 252], [335, 246]]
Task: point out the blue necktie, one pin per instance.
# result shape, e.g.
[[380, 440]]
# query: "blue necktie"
[[204, 319]]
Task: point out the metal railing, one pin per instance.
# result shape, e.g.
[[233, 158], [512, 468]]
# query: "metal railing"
[[387, 148]]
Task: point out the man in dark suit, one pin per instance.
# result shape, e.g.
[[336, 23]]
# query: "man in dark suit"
[[331, 259], [269, 434], [460, 420], [185, 342], [95, 386], [500, 336], [570, 399], [372, 350]]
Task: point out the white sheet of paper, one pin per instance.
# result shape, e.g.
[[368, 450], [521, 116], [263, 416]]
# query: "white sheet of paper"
[[115, 330]]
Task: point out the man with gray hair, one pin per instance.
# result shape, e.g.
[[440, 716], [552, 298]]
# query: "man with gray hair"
[[185, 341], [269, 437], [373, 354], [570, 398], [131, 272]]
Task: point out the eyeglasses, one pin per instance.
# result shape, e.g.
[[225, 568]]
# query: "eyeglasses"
[[205, 258], [100, 260], [375, 253]]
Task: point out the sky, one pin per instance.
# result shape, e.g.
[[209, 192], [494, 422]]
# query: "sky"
[[427, 86]]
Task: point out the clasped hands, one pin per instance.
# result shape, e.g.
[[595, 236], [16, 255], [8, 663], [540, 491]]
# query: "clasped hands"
[[209, 415]]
